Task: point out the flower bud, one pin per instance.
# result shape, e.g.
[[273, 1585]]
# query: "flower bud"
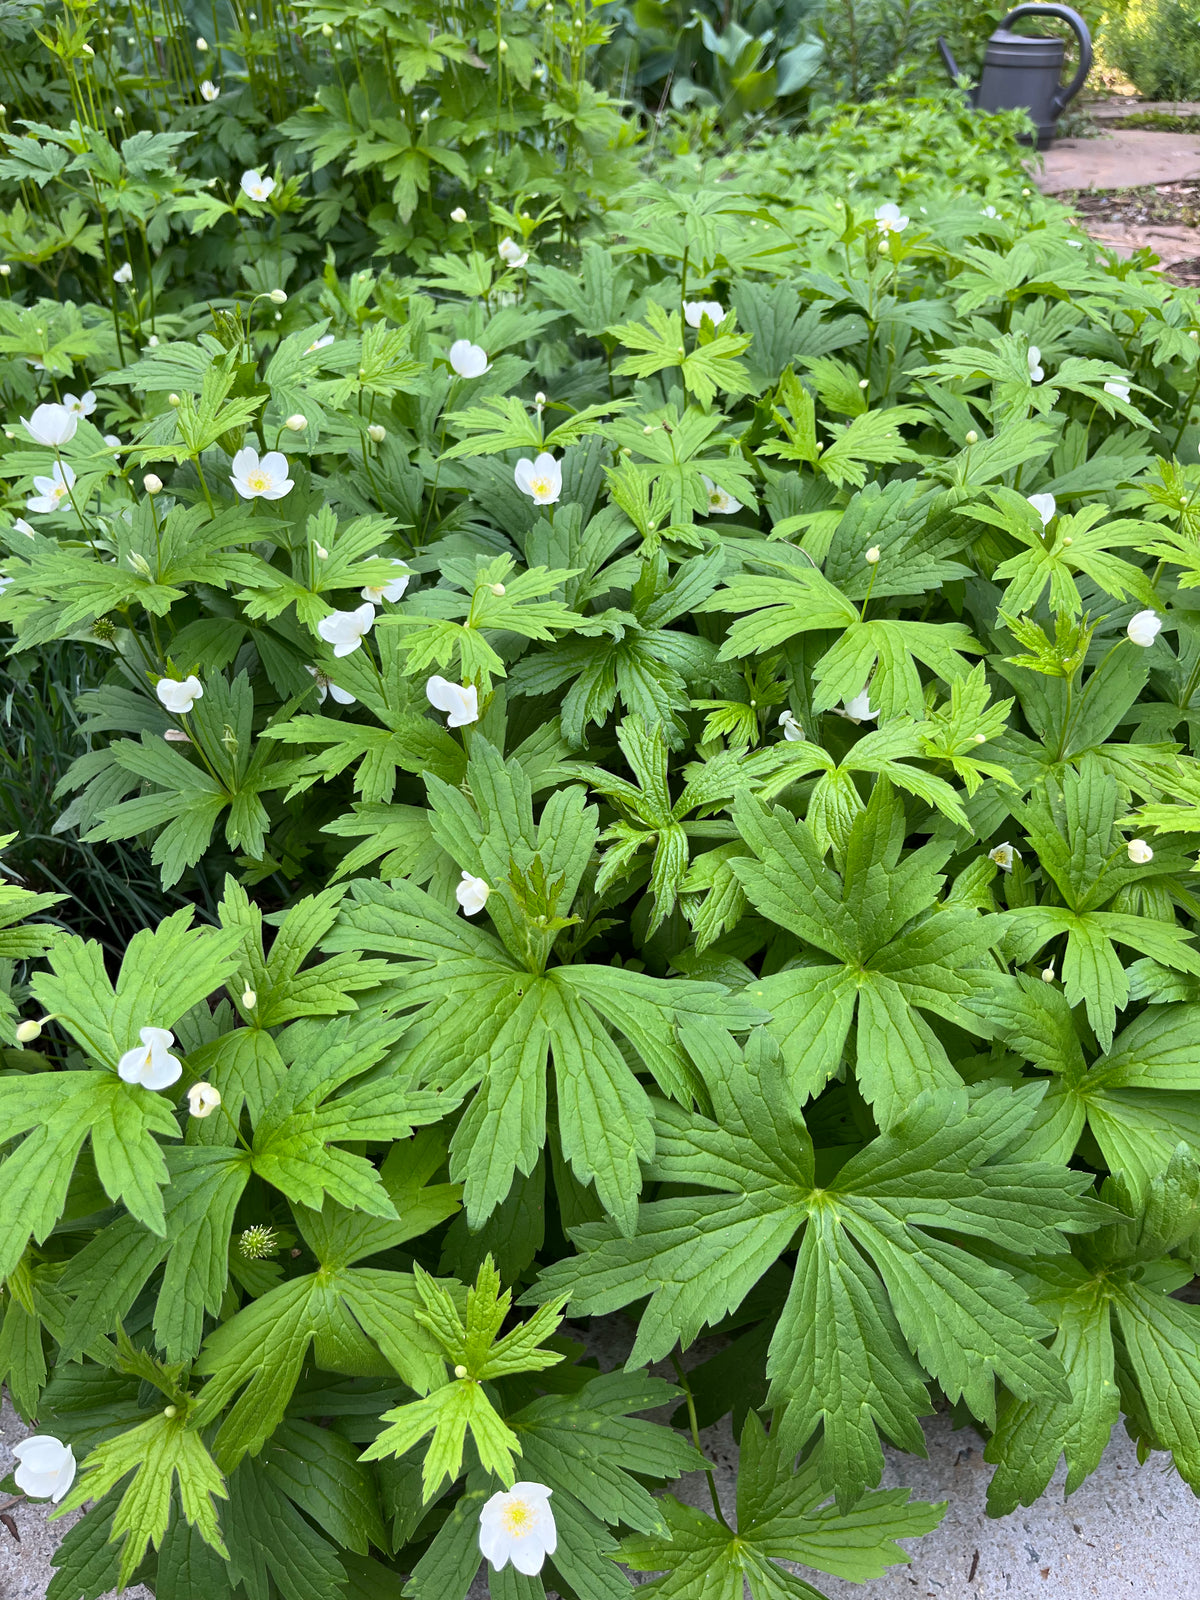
[[377, 433], [972, 437], [539, 399], [458, 215], [203, 1099], [152, 483], [864, 383], [321, 553], [497, 588], [28, 1031], [1140, 852], [5, 269], [502, 47], [1048, 973], [981, 738], [170, 1412], [296, 423], [249, 998], [326, 31], [172, 399], [278, 296], [460, 1371], [202, 45], [872, 555]]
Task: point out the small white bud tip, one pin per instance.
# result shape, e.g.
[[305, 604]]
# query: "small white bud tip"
[[458, 215], [872, 555], [172, 399], [1048, 974], [152, 483], [497, 588], [972, 437], [28, 1031], [1139, 852], [170, 1411], [249, 998], [278, 296], [202, 45], [981, 738], [460, 1371], [378, 434], [296, 423]]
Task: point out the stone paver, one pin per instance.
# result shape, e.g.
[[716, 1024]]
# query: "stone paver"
[[1126, 159]]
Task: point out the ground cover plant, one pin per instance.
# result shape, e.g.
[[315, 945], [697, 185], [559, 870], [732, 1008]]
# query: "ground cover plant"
[[664, 733]]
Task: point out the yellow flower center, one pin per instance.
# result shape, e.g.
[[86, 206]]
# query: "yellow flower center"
[[540, 485], [518, 1518], [258, 480]]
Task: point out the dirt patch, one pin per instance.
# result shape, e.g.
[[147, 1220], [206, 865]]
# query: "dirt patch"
[[1164, 218]]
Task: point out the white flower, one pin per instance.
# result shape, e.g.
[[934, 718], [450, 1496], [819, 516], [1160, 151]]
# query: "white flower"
[[859, 709], [1036, 372], [266, 478], [202, 44], [51, 425], [322, 343], [256, 187], [541, 480], [209, 91], [1003, 856], [511, 254], [720, 500], [458, 215], [989, 211], [792, 731], [203, 1099], [326, 687], [45, 1467], [345, 630], [460, 702], [152, 483], [468, 360], [1143, 628], [148, 1063], [388, 591], [123, 274], [1119, 390], [1045, 505], [377, 432], [889, 218], [21, 526], [695, 311], [179, 697], [81, 404], [517, 1525], [1139, 852], [471, 895], [52, 491]]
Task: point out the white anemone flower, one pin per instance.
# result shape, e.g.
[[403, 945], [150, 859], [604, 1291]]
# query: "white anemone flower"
[[124, 273], [517, 1525], [209, 91], [792, 731], [1036, 371], [472, 894], [346, 630], [1045, 505], [889, 218], [326, 687], [1003, 855], [511, 254], [51, 425], [322, 343], [179, 698], [460, 701], [203, 1099], [21, 526], [1139, 852], [392, 591], [989, 211], [81, 404], [859, 709], [1143, 628], [45, 1467], [52, 491], [695, 311], [149, 1062], [720, 501], [541, 480], [264, 478], [1119, 391], [256, 187], [469, 360]]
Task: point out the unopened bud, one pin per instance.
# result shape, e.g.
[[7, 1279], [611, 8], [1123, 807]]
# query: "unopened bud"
[[864, 383], [202, 45], [296, 423], [278, 296], [458, 215], [460, 1371], [981, 738], [170, 1411], [28, 1031], [378, 434], [872, 555], [249, 998], [502, 47], [172, 399], [1048, 974], [497, 588], [321, 553], [152, 483], [5, 269], [972, 436], [326, 31], [539, 399]]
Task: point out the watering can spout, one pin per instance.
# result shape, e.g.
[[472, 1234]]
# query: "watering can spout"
[[951, 64]]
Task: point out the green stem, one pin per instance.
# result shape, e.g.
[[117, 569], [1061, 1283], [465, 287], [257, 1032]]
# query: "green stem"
[[694, 1424]]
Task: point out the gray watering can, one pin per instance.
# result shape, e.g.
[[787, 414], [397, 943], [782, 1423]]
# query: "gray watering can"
[[1023, 70]]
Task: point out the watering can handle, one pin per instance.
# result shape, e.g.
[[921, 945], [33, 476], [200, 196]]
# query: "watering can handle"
[[1064, 14]]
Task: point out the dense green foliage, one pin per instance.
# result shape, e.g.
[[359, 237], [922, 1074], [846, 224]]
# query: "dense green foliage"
[[1156, 44], [650, 747]]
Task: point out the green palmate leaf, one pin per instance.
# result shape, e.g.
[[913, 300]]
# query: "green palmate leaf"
[[780, 1518], [161, 1453], [876, 942], [876, 1277]]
